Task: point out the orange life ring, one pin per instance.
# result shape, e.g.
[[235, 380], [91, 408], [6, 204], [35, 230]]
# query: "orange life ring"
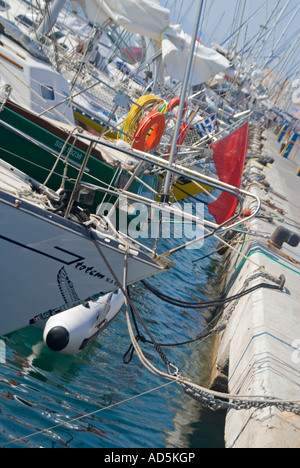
[[149, 132], [175, 103], [183, 131]]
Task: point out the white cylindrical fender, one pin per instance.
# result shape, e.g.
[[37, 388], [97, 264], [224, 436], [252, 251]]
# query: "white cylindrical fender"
[[72, 330]]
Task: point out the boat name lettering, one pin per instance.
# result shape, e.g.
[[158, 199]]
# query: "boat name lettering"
[[59, 144], [92, 272], [89, 270]]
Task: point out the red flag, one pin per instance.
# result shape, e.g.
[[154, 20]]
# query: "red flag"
[[229, 156]]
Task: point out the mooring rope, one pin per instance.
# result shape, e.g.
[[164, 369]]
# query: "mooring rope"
[[208, 398], [212, 399]]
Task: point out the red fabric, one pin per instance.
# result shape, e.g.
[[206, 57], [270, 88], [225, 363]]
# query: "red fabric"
[[229, 156]]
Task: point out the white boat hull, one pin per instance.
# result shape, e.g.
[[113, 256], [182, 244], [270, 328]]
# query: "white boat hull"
[[49, 264]]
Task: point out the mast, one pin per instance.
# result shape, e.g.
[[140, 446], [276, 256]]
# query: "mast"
[[262, 33], [183, 96], [280, 38], [271, 30], [245, 23], [50, 18]]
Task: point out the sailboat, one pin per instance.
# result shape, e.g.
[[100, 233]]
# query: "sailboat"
[[27, 70], [69, 265], [35, 144], [101, 89]]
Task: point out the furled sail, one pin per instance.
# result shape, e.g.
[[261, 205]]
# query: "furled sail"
[[148, 18]]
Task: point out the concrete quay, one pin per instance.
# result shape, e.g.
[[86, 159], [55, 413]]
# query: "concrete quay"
[[258, 352]]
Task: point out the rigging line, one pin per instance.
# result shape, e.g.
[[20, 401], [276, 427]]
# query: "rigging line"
[[246, 258], [202, 28], [47, 169], [179, 12], [88, 415], [229, 88], [60, 155], [219, 249], [232, 26], [239, 31], [28, 161], [270, 257], [280, 52], [213, 326], [263, 33], [259, 53], [196, 50], [288, 42], [236, 21], [244, 24]]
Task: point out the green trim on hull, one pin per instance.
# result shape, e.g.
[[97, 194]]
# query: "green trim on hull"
[[33, 149]]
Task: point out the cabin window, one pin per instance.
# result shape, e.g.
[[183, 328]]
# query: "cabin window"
[[23, 19], [48, 92], [4, 6]]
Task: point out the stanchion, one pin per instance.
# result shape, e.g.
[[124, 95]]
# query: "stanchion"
[[297, 149], [283, 133], [289, 146]]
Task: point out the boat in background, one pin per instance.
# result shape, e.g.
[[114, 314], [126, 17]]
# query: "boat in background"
[[34, 83], [142, 131], [36, 146], [39, 146]]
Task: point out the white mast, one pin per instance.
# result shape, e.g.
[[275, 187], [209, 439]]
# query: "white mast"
[[50, 18], [271, 30], [183, 96], [259, 36], [281, 36]]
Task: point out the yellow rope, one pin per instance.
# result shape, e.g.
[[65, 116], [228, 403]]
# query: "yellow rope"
[[160, 36], [148, 103]]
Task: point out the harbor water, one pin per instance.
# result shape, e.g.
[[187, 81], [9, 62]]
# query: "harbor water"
[[94, 399]]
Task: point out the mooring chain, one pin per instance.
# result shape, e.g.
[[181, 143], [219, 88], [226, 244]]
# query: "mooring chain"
[[208, 398], [216, 401], [260, 274]]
